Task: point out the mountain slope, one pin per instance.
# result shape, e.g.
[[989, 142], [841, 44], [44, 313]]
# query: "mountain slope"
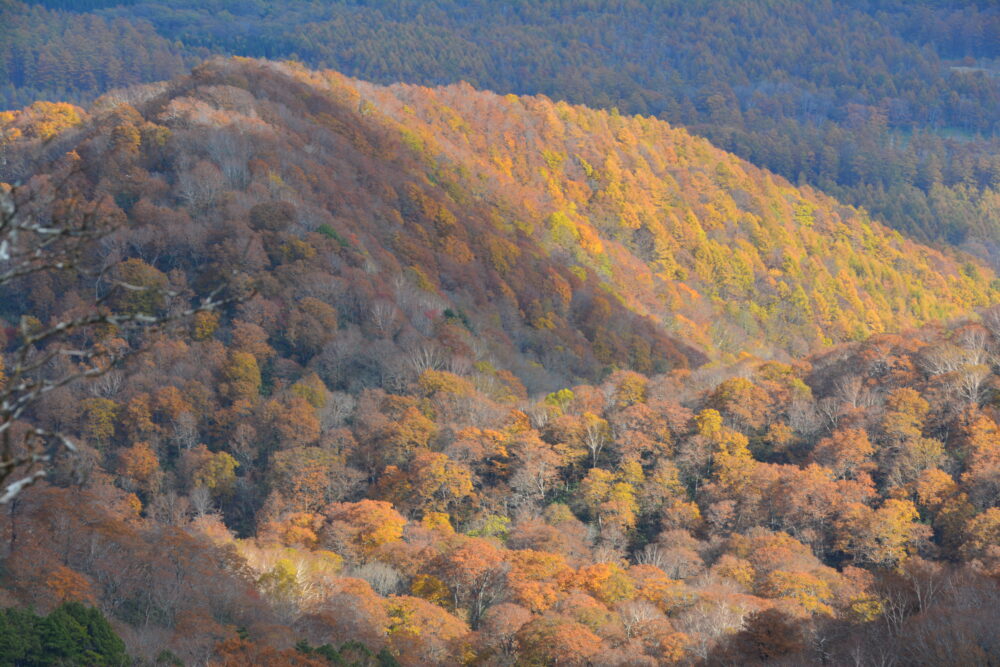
[[886, 104], [768, 261], [580, 238], [363, 449]]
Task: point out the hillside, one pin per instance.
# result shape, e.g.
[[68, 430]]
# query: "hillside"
[[583, 238], [483, 393], [886, 104], [724, 254]]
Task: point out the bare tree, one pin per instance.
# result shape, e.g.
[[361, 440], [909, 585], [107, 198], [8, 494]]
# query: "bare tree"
[[945, 358], [927, 580], [185, 431], [595, 435], [971, 383], [652, 554], [200, 185], [427, 356], [975, 340], [829, 410], [636, 615], [201, 501], [540, 415], [707, 622], [460, 365], [851, 390], [383, 315], [231, 151], [108, 385], [384, 578], [338, 407], [991, 320]]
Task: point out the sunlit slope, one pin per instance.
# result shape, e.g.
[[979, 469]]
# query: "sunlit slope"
[[723, 253]]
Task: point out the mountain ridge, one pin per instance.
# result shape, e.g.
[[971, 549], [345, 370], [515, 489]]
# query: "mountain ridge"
[[701, 246], [882, 104]]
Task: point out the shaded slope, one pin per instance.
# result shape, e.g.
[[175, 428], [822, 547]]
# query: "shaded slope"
[[323, 209]]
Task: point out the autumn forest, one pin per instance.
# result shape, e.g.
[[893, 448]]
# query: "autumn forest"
[[571, 332]]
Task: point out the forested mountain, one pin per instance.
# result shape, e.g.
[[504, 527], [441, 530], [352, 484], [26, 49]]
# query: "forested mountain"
[[62, 57], [886, 104], [585, 238], [483, 393]]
